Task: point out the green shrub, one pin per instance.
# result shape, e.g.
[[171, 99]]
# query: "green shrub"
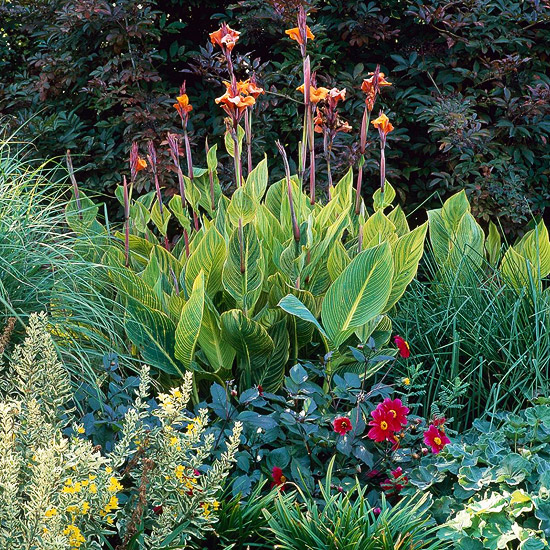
[[492, 489], [471, 99], [158, 486], [225, 299]]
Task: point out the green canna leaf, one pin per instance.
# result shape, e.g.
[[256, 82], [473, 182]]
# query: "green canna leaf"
[[359, 294], [243, 271], [189, 325], [209, 256]]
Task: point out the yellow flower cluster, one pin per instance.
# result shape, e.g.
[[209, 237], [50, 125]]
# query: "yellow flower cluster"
[[72, 532]]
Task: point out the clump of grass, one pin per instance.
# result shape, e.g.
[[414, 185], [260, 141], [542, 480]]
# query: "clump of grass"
[[43, 266], [469, 325]]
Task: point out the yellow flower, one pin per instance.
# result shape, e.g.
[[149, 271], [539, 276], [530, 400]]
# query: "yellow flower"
[[112, 504], [406, 381], [72, 532], [93, 488], [108, 469], [190, 427], [51, 512], [174, 441], [80, 429], [216, 505], [114, 485], [85, 508]]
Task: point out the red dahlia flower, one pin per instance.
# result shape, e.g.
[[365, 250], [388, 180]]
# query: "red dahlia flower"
[[279, 479], [381, 426], [402, 346], [342, 425], [396, 412], [435, 438]]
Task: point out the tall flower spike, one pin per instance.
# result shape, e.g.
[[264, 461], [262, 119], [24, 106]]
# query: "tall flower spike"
[[182, 105], [295, 226], [384, 126]]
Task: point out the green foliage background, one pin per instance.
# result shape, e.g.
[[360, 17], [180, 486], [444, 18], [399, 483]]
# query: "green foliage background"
[[471, 96]]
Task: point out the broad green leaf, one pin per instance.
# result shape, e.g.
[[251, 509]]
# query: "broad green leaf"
[[230, 142], [188, 329], [454, 210], [181, 214], [359, 294], [152, 332], [211, 158], [439, 236], [338, 260], [219, 353], [295, 307], [272, 375], [493, 244], [242, 207], [83, 219], [129, 284], [398, 218], [209, 256], [160, 220], [466, 243], [381, 203], [192, 193], [517, 270], [243, 271], [250, 340], [256, 182], [406, 252], [377, 229], [535, 246]]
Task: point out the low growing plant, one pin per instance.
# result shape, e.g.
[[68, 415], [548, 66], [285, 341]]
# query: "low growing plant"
[[348, 520], [491, 488]]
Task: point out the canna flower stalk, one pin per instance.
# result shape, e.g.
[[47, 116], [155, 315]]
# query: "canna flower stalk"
[[126, 223], [295, 226], [152, 157], [184, 108], [371, 86], [301, 34], [211, 178], [137, 164], [174, 154], [254, 90], [328, 122], [384, 126]]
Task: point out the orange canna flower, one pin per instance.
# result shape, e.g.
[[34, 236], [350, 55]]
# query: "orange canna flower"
[[371, 89], [383, 124], [315, 94], [253, 89], [183, 105], [295, 34], [235, 105], [368, 83], [141, 164], [225, 37]]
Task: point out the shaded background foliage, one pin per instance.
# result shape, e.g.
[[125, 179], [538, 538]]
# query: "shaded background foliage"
[[471, 95]]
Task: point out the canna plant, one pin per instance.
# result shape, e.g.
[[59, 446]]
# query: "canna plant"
[[457, 239], [251, 282]]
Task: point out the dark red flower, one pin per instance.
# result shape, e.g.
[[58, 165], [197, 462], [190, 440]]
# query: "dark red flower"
[[157, 510], [260, 390], [279, 479], [393, 486], [342, 425], [377, 511], [396, 411], [436, 439], [402, 346]]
